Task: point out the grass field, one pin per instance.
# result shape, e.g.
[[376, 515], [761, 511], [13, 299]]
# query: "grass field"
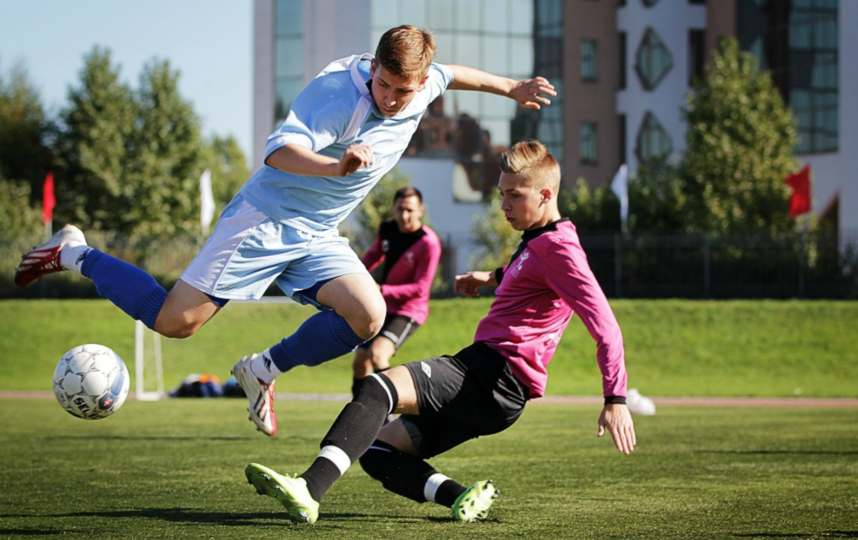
[[174, 469], [673, 347]]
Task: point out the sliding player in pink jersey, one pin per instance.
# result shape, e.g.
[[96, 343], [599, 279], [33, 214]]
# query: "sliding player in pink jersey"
[[481, 390], [409, 252]]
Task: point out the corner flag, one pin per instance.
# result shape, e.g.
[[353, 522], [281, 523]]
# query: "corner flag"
[[48, 200], [620, 187], [799, 202], [207, 205]]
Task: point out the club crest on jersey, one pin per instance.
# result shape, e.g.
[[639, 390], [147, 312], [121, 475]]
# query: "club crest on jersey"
[[523, 257]]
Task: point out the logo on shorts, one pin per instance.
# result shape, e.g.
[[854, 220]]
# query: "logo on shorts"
[[385, 246], [426, 369]]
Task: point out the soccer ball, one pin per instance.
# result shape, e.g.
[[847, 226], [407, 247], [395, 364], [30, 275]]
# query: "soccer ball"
[[91, 382]]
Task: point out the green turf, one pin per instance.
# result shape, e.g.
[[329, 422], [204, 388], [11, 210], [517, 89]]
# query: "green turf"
[[673, 347], [174, 469]]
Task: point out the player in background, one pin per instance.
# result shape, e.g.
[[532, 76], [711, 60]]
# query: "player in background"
[[447, 400], [344, 131], [409, 251]]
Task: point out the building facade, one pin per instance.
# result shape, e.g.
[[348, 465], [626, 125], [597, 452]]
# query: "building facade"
[[622, 68]]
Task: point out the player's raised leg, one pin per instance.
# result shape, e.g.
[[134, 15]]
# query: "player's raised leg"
[[133, 290]]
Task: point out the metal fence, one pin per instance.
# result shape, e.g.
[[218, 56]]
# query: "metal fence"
[[801, 265]]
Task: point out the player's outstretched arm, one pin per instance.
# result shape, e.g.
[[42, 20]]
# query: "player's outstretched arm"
[[468, 284], [297, 159], [529, 93], [617, 419]]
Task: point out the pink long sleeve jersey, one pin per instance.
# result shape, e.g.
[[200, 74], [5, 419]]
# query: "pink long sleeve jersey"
[[543, 286], [410, 261]]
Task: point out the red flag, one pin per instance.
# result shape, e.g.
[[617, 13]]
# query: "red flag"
[[48, 200], [799, 202]]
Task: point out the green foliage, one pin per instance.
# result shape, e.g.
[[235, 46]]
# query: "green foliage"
[[739, 147], [657, 201], [375, 208], [18, 217], [166, 157], [25, 133], [590, 209], [495, 239], [98, 123], [225, 159], [133, 158]]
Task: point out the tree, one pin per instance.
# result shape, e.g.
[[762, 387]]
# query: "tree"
[[657, 200], [590, 209], [738, 148], [165, 158], [375, 208], [495, 239], [228, 166], [92, 189], [19, 218], [25, 132]]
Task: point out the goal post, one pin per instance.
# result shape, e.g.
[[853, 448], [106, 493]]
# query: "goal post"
[[149, 375]]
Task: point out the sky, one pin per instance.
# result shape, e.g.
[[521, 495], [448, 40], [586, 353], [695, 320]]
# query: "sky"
[[208, 41]]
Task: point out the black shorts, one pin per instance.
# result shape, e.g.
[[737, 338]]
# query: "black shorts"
[[397, 328], [462, 397]]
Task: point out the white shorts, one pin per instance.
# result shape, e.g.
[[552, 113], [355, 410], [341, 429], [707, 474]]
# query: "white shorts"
[[248, 250]]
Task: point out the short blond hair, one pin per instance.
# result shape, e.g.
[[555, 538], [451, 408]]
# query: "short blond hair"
[[532, 160], [406, 51]]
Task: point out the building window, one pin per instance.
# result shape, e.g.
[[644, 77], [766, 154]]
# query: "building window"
[[622, 61], [589, 150], [696, 54], [622, 141], [589, 64], [650, 3], [288, 55], [653, 141], [653, 60], [799, 43]]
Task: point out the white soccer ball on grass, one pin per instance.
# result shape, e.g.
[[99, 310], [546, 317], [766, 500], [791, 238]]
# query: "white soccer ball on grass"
[[91, 382]]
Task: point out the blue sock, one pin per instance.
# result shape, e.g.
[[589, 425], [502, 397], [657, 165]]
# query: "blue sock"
[[322, 337], [132, 290]]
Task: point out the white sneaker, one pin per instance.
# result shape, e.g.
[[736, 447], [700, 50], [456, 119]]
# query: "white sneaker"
[[45, 259], [259, 394], [639, 404]]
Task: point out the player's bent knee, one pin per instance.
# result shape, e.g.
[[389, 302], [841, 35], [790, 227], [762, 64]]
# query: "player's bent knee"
[[373, 461]]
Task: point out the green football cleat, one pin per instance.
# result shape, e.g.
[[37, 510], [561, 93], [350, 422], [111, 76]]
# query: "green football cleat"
[[474, 503], [291, 491]]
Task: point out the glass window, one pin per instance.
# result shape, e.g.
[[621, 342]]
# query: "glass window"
[[588, 60], [589, 154], [495, 16], [696, 54], [385, 13], [289, 55], [653, 60], [653, 141], [622, 63], [289, 17], [521, 59], [495, 55], [441, 15], [521, 17], [467, 50], [650, 3], [468, 15]]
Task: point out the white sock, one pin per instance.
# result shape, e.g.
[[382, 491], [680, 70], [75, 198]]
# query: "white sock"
[[72, 256], [263, 367], [432, 485]]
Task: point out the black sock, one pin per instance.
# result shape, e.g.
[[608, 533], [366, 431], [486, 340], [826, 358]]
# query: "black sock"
[[406, 475], [355, 387], [351, 434]]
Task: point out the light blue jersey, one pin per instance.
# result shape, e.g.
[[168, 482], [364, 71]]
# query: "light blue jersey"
[[334, 111]]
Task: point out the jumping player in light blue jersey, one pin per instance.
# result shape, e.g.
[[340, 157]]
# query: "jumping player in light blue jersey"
[[345, 130]]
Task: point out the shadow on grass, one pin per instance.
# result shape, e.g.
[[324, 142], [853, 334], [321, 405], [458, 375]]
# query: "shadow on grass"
[[826, 534], [784, 452], [33, 532], [233, 519]]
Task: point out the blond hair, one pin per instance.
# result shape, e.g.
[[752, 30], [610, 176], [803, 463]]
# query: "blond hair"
[[406, 51], [532, 160]]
